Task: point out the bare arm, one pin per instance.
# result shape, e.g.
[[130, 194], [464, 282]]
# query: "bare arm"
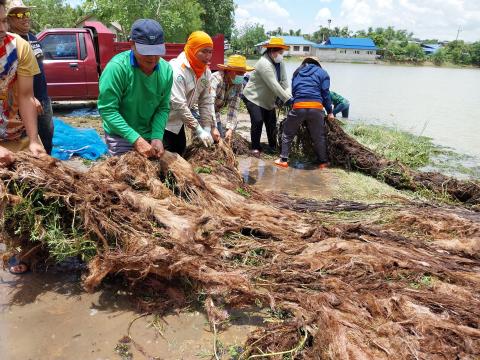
[[28, 112]]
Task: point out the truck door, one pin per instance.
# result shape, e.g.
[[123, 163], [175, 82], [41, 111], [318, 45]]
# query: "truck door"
[[64, 66]]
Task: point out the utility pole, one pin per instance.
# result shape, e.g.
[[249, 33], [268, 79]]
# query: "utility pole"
[[458, 32]]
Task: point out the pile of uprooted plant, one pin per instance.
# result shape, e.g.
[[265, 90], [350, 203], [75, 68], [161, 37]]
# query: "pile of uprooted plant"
[[406, 288], [346, 152]]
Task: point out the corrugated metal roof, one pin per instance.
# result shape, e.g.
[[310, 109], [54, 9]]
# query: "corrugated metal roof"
[[432, 46], [348, 43], [292, 40], [296, 40]]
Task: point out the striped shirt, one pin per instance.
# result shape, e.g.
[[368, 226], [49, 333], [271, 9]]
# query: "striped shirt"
[[16, 58], [226, 95]]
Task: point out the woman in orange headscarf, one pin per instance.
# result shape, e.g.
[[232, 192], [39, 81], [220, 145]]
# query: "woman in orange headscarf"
[[191, 86]]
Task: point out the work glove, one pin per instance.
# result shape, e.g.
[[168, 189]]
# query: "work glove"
[[204, 135]]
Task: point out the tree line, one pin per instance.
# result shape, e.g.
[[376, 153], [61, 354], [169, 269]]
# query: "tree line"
[[178, 17], [395, 45]]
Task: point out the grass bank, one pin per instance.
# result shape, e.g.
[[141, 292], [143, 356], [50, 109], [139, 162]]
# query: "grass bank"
[[417, 152]]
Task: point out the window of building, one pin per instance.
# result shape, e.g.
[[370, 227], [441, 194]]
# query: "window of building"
[[306, 48], [357, 52], [60, 47], [370, 52], [296, 48], [343, 51]]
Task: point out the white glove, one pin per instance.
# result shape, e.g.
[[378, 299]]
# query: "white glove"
[[204, 135]]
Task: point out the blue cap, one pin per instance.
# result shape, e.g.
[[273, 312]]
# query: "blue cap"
[[147, 34]]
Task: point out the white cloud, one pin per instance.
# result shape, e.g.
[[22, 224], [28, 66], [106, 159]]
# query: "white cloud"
[[426, 19], [433, 19], [269, 13], [323, 14]]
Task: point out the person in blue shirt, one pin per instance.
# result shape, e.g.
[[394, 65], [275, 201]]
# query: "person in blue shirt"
[[19, 23], [311, 96]]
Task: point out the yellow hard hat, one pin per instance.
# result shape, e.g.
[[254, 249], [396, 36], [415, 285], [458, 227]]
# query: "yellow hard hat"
[[236, 63], [276, 42]]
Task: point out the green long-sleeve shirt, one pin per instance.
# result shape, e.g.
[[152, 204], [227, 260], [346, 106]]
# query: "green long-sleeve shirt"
[[337, 99], [132, 103]]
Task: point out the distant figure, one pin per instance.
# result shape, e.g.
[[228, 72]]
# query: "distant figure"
[[310, 87], [340, 104]]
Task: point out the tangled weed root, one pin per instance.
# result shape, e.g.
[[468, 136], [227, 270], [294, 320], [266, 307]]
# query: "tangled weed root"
[[348, 153], [339, 292]]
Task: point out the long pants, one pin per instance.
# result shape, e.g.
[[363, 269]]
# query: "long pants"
[[315, 120], [117, 145], [258, 116], [175, 142], [45, 126], [343, 108]]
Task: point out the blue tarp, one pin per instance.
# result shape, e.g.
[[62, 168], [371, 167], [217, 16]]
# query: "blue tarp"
[[83, 112], [83, 142]]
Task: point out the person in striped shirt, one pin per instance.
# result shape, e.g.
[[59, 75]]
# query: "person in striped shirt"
[[18, 113], [226, 89]]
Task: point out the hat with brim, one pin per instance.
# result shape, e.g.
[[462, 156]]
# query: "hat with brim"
[[144, 49], [276, 42], [17, 5], [236, 63], [311, 58], [147, 34]]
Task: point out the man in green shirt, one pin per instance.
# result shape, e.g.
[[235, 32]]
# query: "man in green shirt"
[[134, 99]]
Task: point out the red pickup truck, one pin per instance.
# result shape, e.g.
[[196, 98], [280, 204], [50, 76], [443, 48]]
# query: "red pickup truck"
[[75, 58]]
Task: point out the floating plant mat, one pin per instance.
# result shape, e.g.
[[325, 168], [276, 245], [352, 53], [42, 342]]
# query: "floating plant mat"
[[404, 289]]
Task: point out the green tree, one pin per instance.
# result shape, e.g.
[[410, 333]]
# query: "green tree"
[[245, 38], [439, 57], [475, 53], [321, 35], [218, 16], [53, 14], [414, 52]]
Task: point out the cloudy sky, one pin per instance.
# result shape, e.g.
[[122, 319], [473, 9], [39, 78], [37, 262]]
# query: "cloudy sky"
[[426, 18]]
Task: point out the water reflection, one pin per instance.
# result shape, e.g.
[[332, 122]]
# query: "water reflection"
[[300, 179]]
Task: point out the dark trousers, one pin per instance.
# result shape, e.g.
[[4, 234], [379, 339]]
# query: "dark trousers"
[[175, 142], [315, 120], [343, 108], [45, 126], [258, 116]]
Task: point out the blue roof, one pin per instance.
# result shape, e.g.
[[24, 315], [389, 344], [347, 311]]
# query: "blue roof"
[[296, 40], [348, 43], [292, 40], [431, 48]]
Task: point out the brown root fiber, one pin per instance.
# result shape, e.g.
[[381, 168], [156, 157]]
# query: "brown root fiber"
[[348, 153], [338, 292]]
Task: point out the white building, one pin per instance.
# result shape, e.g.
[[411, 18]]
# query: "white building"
[[337, 49]]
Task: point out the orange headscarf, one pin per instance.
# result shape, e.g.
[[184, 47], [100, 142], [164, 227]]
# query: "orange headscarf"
[[197, 41]]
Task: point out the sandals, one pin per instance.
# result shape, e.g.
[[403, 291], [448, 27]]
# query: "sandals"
[[17, 267], [281, 163]]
